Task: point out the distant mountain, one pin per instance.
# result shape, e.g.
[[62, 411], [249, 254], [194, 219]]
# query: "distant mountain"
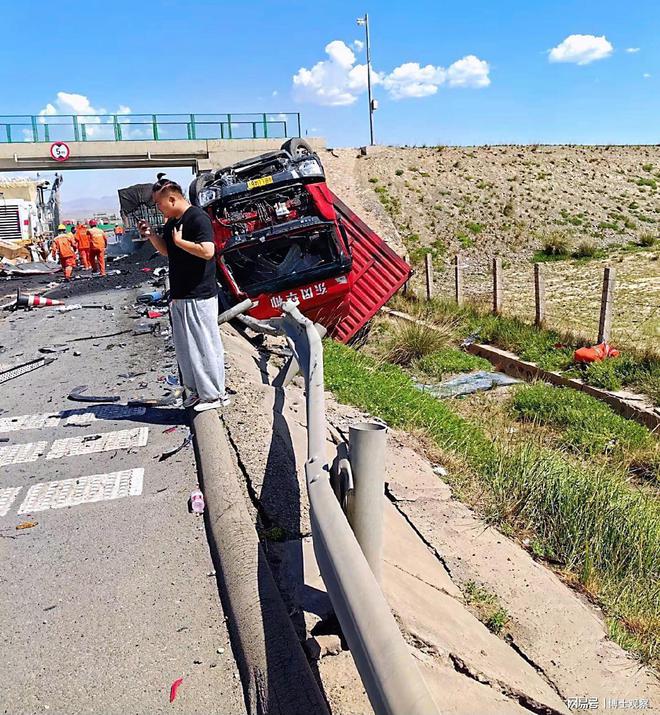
[[87, 206]]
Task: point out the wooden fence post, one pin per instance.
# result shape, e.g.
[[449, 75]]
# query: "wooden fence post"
[[539, 294], [606, 305], [497, 286], [428, 259], [406, 285], [458, 280]]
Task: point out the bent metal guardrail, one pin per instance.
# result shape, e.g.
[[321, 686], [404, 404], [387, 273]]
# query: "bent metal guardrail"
[[389, 674], [147, 127]]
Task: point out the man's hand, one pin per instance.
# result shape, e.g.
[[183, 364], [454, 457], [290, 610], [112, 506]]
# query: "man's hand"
[[144, 228], [177, 236]]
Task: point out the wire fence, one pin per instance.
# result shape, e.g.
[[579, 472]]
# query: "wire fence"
[[574, 297]]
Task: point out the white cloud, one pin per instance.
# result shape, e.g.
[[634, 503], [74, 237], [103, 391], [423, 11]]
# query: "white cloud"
[[274, 93], [358, 45], [469, 71], [80, 106], [412, 80], [581, 49], [647, 75], [333, 82], [338, 81], [632, 50]]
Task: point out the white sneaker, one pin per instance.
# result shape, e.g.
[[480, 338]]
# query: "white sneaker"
[[212, 404], [191, 400]]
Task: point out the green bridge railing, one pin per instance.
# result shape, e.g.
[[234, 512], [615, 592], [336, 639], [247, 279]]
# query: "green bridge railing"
[[149, 127]]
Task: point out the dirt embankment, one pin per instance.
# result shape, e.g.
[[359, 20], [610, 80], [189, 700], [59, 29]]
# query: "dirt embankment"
[[506, 200]]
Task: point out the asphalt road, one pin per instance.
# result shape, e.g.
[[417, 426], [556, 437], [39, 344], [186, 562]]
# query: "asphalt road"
[[106, 601]]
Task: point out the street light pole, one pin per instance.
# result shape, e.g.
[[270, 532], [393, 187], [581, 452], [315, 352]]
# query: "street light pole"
[[365, 21]]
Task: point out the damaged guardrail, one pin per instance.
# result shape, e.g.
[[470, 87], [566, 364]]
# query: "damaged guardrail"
[[390, 677]]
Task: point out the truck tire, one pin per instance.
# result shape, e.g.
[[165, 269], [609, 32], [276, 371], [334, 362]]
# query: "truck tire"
[[197, 184], [297, 147]]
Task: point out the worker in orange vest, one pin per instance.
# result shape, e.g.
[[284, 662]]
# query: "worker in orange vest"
[[82, 239], [64, 246], [98, 243]]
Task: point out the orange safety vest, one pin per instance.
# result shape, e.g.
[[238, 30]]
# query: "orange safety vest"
[[98, 239], [64, 246], [82, 238]]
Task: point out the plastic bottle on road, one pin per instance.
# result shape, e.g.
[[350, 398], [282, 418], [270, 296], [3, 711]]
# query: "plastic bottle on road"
[[197, 502]]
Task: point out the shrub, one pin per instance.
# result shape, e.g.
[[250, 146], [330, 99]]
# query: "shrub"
[[647, 240], [373, 180], [647, 182], [556, 244], [475, 228], [586, 249], [411, 341], [399, 172]]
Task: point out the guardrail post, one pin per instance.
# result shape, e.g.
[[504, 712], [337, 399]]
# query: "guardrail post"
[[83, 131], [299, 126], [229, 126], [8, 130], [35, 129], [76, 129], [154, 126], [606, 304], [46, 132], [458, 280], [497, 286], [265, 126], [193, 128], [539, 294], [365, 503], [428, 260], [115, 127]]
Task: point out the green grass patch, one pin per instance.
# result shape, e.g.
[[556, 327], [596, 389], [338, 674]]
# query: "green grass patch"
[[590, 426], [487, 607], [450, 360], [604, 533], [644, 181]]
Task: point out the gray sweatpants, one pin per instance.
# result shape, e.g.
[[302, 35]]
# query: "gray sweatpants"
[[198, 346]]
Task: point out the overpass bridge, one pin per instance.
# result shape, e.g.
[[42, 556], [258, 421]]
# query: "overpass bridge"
[[119, 141]]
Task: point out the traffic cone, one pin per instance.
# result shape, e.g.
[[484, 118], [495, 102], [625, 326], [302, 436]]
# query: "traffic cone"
[[34, 301]]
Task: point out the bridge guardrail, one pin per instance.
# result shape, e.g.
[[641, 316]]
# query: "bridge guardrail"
[[45, 128], [390, 677]]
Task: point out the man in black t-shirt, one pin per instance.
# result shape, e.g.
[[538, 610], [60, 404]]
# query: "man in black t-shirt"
[[187, 241]]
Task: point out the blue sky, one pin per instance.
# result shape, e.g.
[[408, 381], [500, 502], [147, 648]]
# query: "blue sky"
[[444, 73]]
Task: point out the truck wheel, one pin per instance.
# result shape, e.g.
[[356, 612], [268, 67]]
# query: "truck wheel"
[[197, 184], [297, 147]]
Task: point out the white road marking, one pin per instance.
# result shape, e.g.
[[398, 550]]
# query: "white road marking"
[[82, 490], [79, 418], [11, 424], [7, 497], [18, 453], [105, 442]]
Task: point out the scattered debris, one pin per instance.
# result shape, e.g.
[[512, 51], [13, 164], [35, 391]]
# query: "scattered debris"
[[167, 401], [98, 337], [91, 438], [174, 688], [155, 314], [58, 348], [77, 396], [18, 370], [150, 298], [197, 502], [171, 452], [172, 380], [467, 384], [34, 301], [131, 375], [142, 328], [169, 430], [26, 525], [595, 353]]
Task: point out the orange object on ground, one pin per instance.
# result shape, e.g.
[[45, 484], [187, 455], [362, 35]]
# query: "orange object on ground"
[[119, 230], [595, 353], [98, 243]]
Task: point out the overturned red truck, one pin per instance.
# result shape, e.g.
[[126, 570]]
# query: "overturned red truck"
[[281, 233]]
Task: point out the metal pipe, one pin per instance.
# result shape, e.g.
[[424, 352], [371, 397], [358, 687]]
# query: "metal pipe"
[[365, 504], [235, 311]]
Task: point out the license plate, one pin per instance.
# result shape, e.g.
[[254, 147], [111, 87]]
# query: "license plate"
[[256, 183]]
